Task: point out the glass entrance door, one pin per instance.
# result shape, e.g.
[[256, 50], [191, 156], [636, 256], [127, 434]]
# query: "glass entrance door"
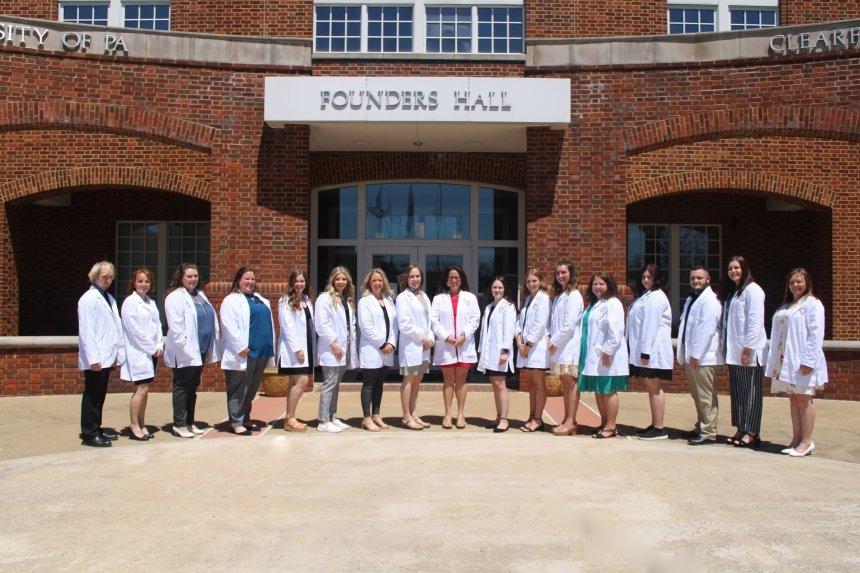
[[434, 261]]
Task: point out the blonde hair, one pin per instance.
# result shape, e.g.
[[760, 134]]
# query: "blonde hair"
[[365, 284], [96, 271], [348, 292]]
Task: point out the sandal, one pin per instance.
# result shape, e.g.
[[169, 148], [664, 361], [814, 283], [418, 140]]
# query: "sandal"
[[561, 430], [537, 428], [421, 422], [736, 438], [369, 426], [754, 442], [461, 422], [446, 422], [602, 436], [293, 425], [378, 421], [411, 424]]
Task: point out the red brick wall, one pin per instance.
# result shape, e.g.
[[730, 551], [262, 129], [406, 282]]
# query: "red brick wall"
[[594, 18], [795, 12], [41, 9]]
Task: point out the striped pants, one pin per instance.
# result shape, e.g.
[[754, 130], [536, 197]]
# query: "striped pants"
[[746, 386]]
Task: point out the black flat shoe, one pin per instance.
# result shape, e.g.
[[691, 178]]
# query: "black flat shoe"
[[498, 430], [143, 438]]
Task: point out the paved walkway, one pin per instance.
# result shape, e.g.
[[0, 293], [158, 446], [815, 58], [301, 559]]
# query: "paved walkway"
[[434, 500]]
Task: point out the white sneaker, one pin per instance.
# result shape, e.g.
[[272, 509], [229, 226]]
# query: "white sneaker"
[[195, 430], [328, 427], [340, 424]]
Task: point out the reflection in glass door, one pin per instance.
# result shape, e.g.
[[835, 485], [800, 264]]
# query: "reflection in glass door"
[[434, 261]]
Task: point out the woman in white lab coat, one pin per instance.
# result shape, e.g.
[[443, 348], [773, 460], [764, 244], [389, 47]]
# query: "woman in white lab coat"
[[564, 340], [193, 339], [248, 347], [377, 323], [457, 319], [296, 343], [415, 316], [532, 345], [649, 335], [143, 345], [744, 340], [335, 325], [498, 329], [796, 362], [603, 351]]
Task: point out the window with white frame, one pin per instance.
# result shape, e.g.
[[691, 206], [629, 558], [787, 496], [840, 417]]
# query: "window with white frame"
[[419, 26], [686, 17], [676, 249], [139, 14], [94, 14], [390, 28]]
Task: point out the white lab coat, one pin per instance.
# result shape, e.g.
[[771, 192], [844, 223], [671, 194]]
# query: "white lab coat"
[[606, 336], [649, 330], [414, 326], [236, 330], [701, 330], [565, 328], [371, 325], [498, 333], [100, 337], [468, 321], [142, 326], [182, 347], [744, 326], [331, 326], [803, 327], [293, 336], [532, 324]]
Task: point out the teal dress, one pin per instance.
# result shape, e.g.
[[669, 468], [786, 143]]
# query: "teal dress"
[[596, 384]]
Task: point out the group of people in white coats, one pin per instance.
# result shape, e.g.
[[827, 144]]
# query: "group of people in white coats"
[[583, 341], [728, 328]]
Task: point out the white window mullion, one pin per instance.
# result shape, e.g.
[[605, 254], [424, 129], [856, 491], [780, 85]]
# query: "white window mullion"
[[364, 27], [474, 29], [419, 28]]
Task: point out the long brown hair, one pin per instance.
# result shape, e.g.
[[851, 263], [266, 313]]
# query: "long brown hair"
[[291, 297]]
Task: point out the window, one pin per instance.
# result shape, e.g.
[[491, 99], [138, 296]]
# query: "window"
[[686, 17], [389, 28], [147, 16], [675, 249], [500, 30], [692, 20], [85, 13], [391, 224], [419, 26], [143, 15], [160, 246], [337, 29], [449, 29], [752, 19]]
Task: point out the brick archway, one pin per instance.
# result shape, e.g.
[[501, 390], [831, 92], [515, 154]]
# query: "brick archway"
[[91, 177], [798, 121], [729, 179], [16, 116]]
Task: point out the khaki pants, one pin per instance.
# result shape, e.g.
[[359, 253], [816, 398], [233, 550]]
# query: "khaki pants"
[[704, 392]]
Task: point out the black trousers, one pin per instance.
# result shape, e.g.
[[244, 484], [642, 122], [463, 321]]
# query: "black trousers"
[[92, 401], [185, 383], [373, 380]]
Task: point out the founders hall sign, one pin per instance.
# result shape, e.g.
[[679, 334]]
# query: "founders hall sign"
[[527, 101]]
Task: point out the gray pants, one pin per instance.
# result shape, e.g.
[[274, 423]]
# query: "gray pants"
[[242, 386], [332, 375], [704, 392]]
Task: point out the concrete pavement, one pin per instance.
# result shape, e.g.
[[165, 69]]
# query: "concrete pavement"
[[422, 501]]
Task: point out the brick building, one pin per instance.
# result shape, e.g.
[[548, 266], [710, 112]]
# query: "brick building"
[[501, 135]]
